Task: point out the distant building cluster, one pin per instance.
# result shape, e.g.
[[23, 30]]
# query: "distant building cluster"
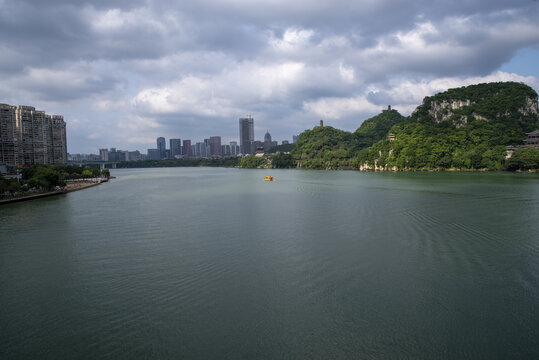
[[113, 154], [211, 147], [30, 137]]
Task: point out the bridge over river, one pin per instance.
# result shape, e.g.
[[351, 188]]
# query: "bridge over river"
[[102, 164]]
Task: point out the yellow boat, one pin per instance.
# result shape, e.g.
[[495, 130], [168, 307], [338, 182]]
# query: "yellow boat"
[[268, 178]]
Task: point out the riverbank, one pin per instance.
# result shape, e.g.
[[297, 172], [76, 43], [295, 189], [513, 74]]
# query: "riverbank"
[[70, 187]]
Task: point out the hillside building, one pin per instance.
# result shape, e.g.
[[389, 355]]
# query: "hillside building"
[[532, 139]]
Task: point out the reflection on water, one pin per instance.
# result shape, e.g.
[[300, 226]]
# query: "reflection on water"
[[217, 263]]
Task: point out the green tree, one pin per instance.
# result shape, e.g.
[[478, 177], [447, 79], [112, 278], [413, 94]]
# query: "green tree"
[[9, 186], [283, 161], [252, 162], [46, 178], [86, 173], [524, 159], [96, 172], [281, 148]]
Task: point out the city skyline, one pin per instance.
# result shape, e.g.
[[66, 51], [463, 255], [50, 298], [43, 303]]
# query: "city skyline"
[[209, 147], [172, 138], [125, 73]]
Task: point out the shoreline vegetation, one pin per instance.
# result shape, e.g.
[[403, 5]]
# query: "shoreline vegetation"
[[44, 180], [287, 161]]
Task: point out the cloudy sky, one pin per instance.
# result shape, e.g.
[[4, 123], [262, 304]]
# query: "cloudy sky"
[[123, 72]]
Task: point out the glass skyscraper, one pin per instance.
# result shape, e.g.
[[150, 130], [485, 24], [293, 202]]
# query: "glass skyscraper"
[[162, 147], [247, 135]]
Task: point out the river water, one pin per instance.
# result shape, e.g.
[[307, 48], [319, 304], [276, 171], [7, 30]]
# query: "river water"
[[213, 263]]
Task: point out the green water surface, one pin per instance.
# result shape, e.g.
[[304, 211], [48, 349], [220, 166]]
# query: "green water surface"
[[213, 263]]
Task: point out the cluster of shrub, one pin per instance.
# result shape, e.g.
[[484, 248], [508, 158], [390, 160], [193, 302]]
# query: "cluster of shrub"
[[41, 178], [523, 159], [275, 161]]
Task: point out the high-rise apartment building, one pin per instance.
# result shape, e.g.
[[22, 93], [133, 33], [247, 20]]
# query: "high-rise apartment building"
[[294, 138], [175, 147], [234, 148], [118, 155], [206, 152], [153, 154], [215, 146], [30, 137], [186, 149], [162, 147], [57, 131], [201, 149], [104, 154], [247, 135], [225, 150], [9, 145], [134, 155]]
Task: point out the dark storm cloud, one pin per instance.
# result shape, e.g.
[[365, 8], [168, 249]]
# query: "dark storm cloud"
[[68, 29], [179, 66]]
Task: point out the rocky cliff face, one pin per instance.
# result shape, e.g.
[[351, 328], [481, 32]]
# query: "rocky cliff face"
[[442, 111], [449, 110], [530, 108]]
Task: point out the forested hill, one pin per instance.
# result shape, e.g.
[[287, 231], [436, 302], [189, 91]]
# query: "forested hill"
[[324, 146], [327, 147], [464, 128], [501, 101], [376, 128]]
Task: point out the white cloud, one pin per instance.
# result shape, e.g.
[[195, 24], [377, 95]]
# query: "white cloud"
[[113, 20], [245, 83], [347, 73], [417, 37], [190, 95], [335, 108], [135, 123], [293, 40]]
